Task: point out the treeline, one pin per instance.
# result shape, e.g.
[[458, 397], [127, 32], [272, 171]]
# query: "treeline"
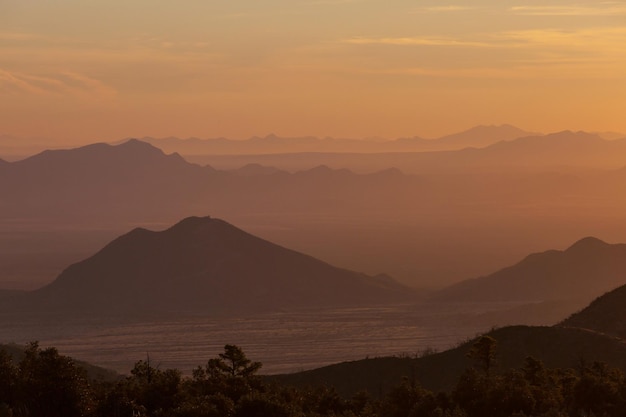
[[43, 383]]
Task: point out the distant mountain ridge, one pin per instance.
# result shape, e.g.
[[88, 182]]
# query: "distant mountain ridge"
[[528, 152], [482, 136], [477, 137], [205, 265], [135, 180]]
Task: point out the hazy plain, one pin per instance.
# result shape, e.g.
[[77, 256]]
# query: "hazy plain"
[[285, 342]]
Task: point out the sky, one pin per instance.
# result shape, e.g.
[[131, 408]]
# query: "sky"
[[80, 71]]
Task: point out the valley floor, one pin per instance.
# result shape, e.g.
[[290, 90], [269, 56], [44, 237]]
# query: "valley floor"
[[284, 342]]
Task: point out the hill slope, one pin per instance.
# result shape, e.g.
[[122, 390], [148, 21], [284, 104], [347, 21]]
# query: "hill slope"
[[206, 265], [606, 314], [583, 271], [557, 347]]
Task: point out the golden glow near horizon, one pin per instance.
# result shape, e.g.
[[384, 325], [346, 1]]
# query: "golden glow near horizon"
[[78, 71]]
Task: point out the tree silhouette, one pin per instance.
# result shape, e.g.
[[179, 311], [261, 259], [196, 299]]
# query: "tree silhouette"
[[231, 374], [483, 352], [235, 363], [52, 385], [8, 378]]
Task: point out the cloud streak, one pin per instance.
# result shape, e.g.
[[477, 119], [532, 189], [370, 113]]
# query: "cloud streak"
[[415, 41], [593, 41], [59, 84], [599, 9], [603, 40]]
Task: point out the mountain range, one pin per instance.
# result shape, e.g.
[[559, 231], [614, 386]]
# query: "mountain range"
[[203, 265], [136, 181], [386, 220]]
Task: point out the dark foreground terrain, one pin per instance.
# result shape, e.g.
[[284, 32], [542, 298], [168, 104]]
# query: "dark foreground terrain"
[[41, 382]]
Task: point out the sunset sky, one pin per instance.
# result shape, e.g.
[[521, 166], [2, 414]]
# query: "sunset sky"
[[77, 71]]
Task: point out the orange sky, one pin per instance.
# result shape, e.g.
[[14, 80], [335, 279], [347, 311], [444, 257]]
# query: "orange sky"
[[76, 71]]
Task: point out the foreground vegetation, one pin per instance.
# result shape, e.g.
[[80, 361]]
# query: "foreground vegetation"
[[43, 383]]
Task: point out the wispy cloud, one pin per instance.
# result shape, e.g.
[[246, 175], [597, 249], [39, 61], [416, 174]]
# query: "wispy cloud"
[[15, 82], [19, 36], [599, 40], [481, 72], [62, 84], [595, 9], [584, 53], [415, 41]]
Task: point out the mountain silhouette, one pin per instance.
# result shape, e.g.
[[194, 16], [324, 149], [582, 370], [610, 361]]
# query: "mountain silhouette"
[[206, 265], [131, 153], [100, 178], [585, 270]]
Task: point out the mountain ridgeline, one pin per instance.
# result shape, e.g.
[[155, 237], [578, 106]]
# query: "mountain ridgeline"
[[205, 265], [135, 181], [587, 268]]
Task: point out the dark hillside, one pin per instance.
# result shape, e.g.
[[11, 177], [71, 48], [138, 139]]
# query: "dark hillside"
[[606, 314], [557, 347]]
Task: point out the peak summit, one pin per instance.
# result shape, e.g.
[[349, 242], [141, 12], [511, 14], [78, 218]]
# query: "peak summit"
[[587, 243], [193, 221], [138, 144]]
